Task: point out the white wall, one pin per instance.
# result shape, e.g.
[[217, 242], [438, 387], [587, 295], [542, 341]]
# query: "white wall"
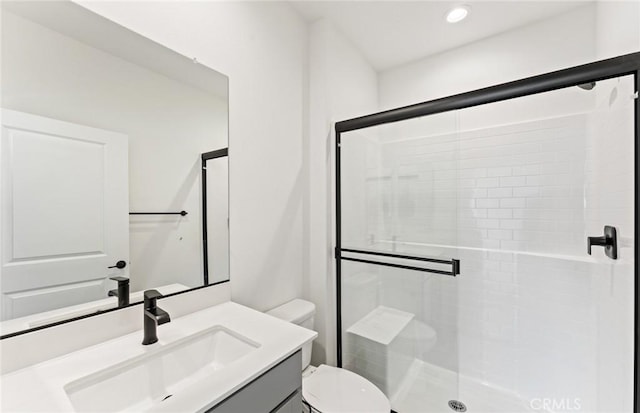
[[262, 47], [599, 30], [342, 85], [169, 124], [617, 28], [562, 41]]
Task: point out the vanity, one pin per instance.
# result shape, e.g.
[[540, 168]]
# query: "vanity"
[[225, 358]]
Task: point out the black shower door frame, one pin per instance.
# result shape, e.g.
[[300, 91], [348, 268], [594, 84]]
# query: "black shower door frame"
[[624, 65], [219, 153]]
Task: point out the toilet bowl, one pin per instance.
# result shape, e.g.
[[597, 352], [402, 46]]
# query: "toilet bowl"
[[329, 389]]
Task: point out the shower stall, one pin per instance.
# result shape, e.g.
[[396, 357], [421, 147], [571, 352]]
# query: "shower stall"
[[486, 246]]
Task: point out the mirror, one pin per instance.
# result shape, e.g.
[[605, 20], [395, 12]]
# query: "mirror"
[[106, 191]]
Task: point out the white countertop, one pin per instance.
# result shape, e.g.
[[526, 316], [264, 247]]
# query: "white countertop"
[[41, 387]]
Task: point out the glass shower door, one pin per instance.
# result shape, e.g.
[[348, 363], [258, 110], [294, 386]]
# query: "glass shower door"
[[544, 321], [399, 299], [513, 190]]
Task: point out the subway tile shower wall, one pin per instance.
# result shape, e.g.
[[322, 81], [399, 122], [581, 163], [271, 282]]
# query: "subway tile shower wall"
[[518, 187], [514, 201]]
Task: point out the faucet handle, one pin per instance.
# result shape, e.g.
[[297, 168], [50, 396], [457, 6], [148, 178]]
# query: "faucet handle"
[[151, 294], [120, 279], [150, 297]]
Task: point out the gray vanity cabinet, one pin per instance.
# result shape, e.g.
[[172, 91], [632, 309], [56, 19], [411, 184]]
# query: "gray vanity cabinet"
[[292, 405], [276, 391]]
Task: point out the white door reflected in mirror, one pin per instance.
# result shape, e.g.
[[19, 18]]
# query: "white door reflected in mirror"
[[65, 201]]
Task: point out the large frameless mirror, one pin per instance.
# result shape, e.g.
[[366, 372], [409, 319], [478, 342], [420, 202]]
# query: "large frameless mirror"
[[103, 133]]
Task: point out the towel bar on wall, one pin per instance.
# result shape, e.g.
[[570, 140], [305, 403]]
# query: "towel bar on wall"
[[183, 213]]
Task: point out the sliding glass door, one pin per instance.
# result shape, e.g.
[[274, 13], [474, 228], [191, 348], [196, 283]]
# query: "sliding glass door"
[[486, 254]]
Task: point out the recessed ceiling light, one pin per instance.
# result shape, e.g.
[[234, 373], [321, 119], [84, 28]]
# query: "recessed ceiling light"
[[457, 14]]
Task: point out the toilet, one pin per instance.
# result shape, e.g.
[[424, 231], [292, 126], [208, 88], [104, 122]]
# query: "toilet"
[[329, 389]]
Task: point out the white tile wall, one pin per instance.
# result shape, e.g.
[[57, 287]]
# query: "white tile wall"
[[511, 187], [531, 312]]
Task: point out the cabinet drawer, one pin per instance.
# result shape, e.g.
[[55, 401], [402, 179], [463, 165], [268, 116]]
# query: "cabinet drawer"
[[292, 405], [267, 392]]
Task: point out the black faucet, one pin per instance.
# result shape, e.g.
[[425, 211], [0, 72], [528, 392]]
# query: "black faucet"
[[153, 317], [122, 292]]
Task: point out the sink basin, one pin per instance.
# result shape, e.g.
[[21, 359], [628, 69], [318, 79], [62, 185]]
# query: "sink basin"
[[142, 382]]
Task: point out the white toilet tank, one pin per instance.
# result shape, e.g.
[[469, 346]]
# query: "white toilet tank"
[[298, 312]]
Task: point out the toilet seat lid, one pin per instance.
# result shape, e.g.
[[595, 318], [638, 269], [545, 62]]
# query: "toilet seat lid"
[[334, 390]]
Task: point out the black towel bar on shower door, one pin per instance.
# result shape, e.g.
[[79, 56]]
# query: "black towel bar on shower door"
[[183, 213], [455, 264]]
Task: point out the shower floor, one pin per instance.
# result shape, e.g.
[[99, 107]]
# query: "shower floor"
[[428, 389]]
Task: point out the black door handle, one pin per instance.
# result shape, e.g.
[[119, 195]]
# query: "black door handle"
[[609, 241], [120, 265]]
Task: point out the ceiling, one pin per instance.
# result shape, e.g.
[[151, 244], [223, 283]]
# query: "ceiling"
[[392, 33]]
